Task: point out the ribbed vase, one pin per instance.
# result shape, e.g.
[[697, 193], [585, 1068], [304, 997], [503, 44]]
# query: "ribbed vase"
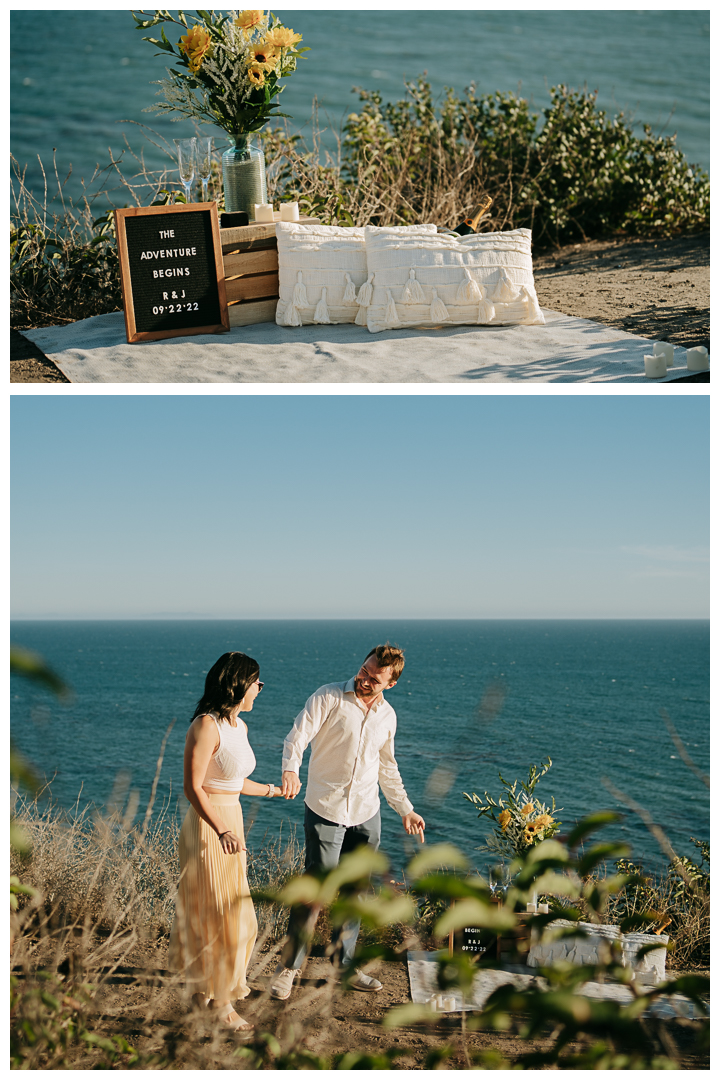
[[243, 165]]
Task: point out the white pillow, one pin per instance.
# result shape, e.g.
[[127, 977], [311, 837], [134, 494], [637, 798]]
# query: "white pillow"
[[448, 280], [323, 273], [321, 268]]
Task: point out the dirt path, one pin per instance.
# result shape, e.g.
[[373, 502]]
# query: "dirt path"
[[659, 290], [142, 1004], [655, 289]]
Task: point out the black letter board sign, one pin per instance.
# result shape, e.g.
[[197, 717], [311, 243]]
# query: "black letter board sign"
[[171, 271], [474, 941]]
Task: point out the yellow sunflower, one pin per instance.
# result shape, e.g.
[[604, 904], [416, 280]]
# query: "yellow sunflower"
[[264, 56], [504, 819], [196, 45], [256, 75], [249, 20], [532, 827], [528, 837], [283, 38], [527, 809], [544, 820]]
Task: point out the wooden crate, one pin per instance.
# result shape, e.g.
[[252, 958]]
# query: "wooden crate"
[[250, 260]]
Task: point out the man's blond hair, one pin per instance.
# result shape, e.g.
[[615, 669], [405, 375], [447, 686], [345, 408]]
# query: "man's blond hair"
[[388, 655]]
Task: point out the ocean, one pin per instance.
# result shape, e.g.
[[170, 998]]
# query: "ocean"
[[476, 698], [80, 80]]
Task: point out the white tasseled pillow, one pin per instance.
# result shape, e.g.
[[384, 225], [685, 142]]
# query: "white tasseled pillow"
[[321, 268], [439, 279], [323, 273]]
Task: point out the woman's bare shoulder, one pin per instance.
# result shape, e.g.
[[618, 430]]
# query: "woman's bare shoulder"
[[205, 722]]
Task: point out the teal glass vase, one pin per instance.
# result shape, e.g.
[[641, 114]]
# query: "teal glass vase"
[[244, 183]]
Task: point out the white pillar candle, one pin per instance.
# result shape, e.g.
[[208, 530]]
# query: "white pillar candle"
[[655, 367], [544, 909], [664, 348], [264, 212], [289, 211], [697, 359], [532, 908]]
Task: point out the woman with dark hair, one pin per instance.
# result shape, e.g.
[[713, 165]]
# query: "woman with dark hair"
[[215, 926]]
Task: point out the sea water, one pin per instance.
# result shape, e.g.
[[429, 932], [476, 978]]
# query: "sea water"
[[476, 698], [80, 80]]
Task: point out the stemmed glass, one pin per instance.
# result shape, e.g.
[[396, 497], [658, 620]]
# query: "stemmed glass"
[[499, 880], [204, 162], [186, 163]]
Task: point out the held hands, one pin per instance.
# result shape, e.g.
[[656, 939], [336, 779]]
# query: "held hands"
[[290, 785], [414, 825], [231, 843]]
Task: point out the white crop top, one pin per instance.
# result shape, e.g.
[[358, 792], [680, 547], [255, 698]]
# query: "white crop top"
[[233, 760]]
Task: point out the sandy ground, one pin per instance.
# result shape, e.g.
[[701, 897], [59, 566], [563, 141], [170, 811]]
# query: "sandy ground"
[[655, 289], [136, 1001]]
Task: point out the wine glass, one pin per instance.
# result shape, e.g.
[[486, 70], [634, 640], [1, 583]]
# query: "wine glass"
[[204, 162], [186, 163]]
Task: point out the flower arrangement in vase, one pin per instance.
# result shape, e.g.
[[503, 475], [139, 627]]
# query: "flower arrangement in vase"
[[227, 71], [520, 820]]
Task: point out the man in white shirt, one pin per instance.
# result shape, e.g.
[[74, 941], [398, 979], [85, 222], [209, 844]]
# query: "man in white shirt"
[[351, 729]]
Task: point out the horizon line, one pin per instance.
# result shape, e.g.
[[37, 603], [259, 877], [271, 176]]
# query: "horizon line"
[[360, 618]]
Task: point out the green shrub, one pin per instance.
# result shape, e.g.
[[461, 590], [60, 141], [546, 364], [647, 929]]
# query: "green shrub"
[[582, 175]]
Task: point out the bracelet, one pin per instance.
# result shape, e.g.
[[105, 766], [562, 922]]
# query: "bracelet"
[[221, 834], [271, 791]]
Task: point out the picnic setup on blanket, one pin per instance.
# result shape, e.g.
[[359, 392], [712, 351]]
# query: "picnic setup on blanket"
[[393, 303]]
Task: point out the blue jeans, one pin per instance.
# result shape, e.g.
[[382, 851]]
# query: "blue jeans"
[[325, 842]]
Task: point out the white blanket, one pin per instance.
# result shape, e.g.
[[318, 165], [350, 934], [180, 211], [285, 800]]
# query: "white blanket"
[[565, 350]]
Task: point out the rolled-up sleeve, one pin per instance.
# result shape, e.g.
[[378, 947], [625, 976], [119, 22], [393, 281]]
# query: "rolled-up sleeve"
[[390, 780], [306, 726]]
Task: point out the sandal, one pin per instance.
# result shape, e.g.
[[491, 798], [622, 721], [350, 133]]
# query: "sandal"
[[224, 1012]]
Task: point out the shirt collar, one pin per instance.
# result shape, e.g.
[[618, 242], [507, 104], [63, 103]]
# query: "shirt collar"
[[349, 688]]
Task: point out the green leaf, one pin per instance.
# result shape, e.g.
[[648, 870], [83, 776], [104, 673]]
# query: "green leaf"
[[300, 890], [600, 853], [590, 824], [431, 858], [379, 911], [355, 867], [473, 912], [32, 666], [637, 921], [405, 1015]]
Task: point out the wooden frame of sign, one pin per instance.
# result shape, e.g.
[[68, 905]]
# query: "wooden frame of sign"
[[171, 271]]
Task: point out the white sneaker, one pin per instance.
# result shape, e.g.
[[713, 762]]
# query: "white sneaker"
[[361, 981], [282, 983]]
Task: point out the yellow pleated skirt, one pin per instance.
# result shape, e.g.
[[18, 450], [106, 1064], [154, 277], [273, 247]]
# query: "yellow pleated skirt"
[[215, 927]]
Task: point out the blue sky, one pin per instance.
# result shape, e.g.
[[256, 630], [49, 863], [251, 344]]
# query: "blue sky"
[[360, 506]]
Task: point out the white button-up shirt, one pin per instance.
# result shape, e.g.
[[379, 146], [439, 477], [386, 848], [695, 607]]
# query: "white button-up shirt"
[[351, 752]]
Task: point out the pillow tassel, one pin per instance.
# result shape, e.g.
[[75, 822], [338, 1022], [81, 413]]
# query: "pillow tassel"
[[469, 291], [530, 299], [365, 295], [321, 311], [391, 315], [361, 317], [438, 311], [349, 294], [486, 310], [299, 295], [292, 316], [505, 291], [412, 293]]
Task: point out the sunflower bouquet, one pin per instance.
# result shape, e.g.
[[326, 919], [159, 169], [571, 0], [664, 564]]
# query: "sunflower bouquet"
[[520, 820], [227, 68]]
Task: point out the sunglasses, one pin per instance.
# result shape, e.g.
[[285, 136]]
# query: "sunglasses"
[[259, 685]]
